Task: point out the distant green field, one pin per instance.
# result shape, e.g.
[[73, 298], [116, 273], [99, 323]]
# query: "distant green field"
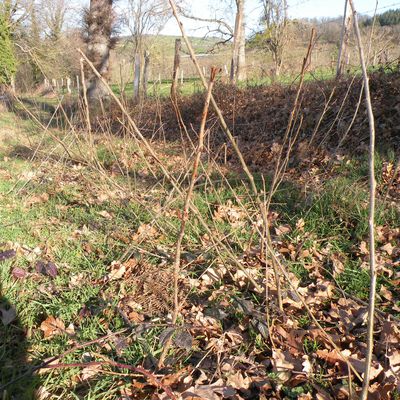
[[190, 86], [161, 89], [165, 45]]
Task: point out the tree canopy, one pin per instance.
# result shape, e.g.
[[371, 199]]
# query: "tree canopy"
[[388, 18]]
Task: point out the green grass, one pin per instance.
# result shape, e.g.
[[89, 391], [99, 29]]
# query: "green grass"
[[68, 230], [319, 74], [30, 226], [161, 89]]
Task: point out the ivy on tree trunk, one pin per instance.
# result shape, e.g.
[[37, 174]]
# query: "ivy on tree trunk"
[[8, 62], [99, 26]]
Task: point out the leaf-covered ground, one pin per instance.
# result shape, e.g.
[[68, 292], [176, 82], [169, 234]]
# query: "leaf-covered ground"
[[86, 277]]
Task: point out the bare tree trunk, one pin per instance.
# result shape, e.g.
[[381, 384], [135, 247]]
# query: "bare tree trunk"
[[278, 66], [99, 22], [241, 72], [344, 56], [238, 62], [342, 35], [12, 84], [177, 63]]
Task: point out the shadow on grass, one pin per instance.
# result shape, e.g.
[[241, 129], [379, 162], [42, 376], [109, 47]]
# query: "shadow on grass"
[[44, 111], [15, 380]]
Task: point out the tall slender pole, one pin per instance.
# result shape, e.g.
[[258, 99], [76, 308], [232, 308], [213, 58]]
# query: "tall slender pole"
[[146, 72], [372, 194], [177, 64], [136, 79]]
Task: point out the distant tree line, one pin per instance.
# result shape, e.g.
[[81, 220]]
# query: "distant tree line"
[[388, 18]]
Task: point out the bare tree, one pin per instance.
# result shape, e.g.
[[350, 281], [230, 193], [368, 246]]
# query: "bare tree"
[[144, 19], [35, 45], [44, 43], [220, 24], [54, 14], [17, 11], [275, 34], [238, 63], [99, 21], [343, 57]]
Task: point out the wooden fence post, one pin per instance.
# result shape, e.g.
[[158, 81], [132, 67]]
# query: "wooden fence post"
[[177, 62], [136, 79], [69, 91], [146, 72]]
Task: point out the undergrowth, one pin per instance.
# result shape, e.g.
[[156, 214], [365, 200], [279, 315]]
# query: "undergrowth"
[[49, 214]]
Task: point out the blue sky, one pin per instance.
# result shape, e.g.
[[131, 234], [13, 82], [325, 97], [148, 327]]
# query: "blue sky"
[[297, 9], [332, 8]]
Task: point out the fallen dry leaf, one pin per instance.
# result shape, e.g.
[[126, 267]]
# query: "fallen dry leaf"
[[90, 372], [388, 247], [46, 268], [337, 265], [117, 271], [52, 326], [8, 315], [334, 358], [282, 230], [77, 279], [238, 381], [230, 213], [19, 273], [284, 363], [105, 214], [364, 248], [300, 224], [213, 274], [5, 255], [39, 199], [386, 293], [145, 231]]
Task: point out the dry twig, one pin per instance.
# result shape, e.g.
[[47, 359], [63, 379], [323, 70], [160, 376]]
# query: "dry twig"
[[372, 194], [186, 207], [138, 135]]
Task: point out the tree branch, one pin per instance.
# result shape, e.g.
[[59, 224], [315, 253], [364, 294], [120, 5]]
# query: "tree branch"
[[218, 21]]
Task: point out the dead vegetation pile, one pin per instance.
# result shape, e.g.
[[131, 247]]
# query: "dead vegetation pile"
[[329, 118]]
